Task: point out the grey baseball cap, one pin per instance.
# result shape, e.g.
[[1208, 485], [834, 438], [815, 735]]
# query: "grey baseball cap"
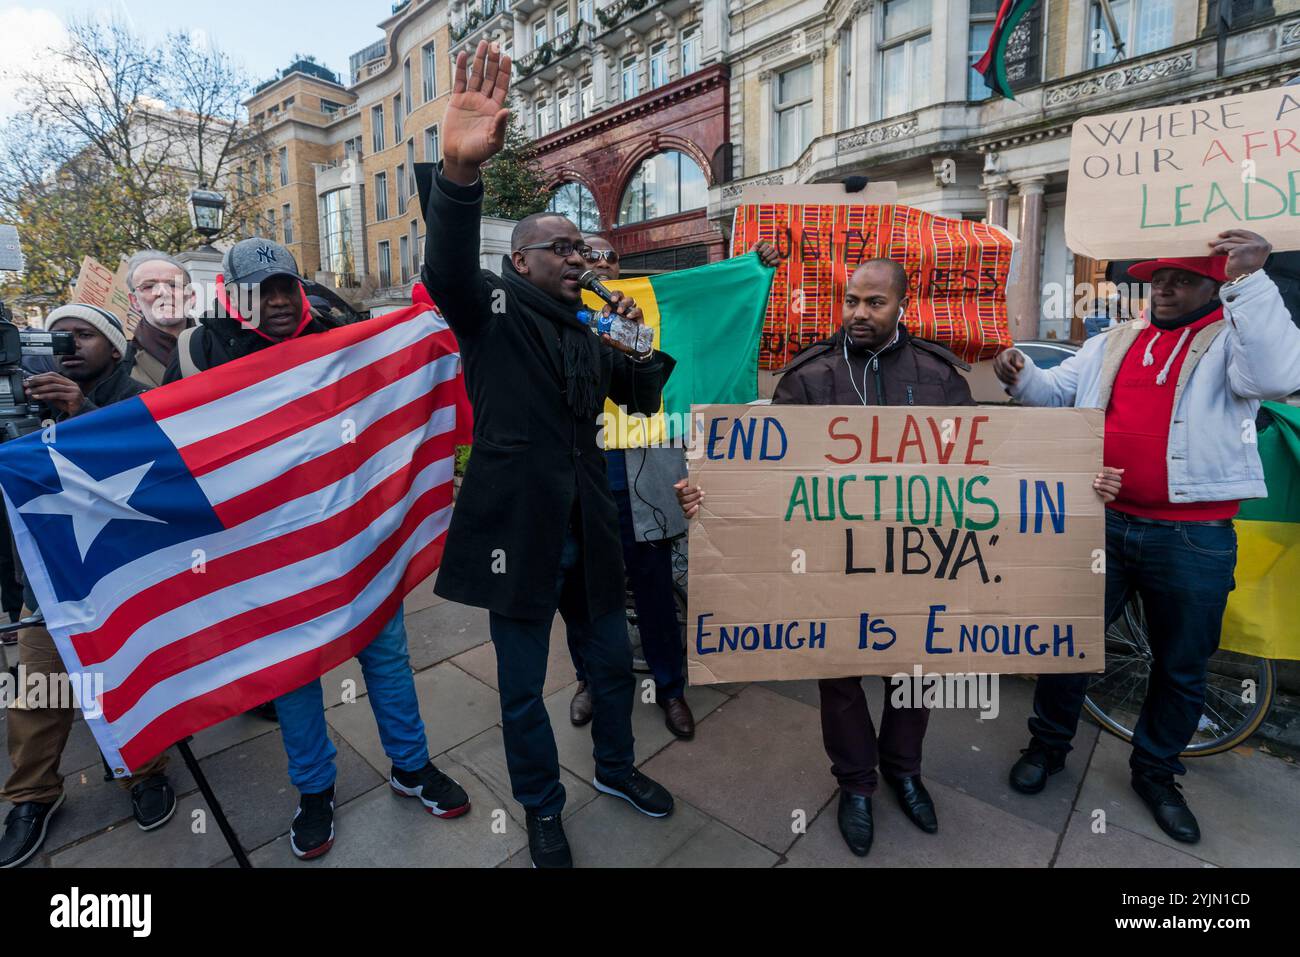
[[253, 261]]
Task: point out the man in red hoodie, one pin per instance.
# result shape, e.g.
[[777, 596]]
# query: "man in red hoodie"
[[1217, 340]]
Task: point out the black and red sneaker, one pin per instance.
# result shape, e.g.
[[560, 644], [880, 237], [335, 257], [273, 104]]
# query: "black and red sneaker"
[[442, 796], [312, 832]]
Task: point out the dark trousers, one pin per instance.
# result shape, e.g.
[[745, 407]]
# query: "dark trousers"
[[522, 647], [1183, 574], [851, 741], [650, 572]]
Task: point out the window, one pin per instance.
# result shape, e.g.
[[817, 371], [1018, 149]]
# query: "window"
[[410, 167], [352, 148], [561, 20], [270, 224], [564, 100], [845, 70], [381, 197], [404, 254], [239, 182], [287, 215], [406, 87], [539, 33], [284, 166], [416, 247], [576, 202], [629, 78], [336, 231], [376, 128], [1153, 29], [385, 258], [330, 107], [586, 96], [586, 11], [397, 119], [794, 113], [905, 57], [658, 65], [429, 71], [401, 188], [432, 147], [691, 46], [663, 185], [288, 102], [983, 14], [255, 183], [266, 172], [543, 116]]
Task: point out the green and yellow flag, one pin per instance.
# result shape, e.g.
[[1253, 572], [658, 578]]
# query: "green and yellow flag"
[[709, 319], [1263, 616]]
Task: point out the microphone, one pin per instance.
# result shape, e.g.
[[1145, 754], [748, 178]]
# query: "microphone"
[[590, 281]]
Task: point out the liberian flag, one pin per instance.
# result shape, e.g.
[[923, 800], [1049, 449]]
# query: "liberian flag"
[[222, 540], [993, 64]]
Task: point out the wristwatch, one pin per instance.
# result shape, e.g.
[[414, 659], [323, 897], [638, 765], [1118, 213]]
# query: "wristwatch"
[[642, 356], [1236, 282]]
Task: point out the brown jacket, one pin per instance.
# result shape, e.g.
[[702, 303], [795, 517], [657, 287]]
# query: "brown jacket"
[[910, 372]]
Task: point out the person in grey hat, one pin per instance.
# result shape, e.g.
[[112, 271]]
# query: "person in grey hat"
[[92, 377], [262, 301]]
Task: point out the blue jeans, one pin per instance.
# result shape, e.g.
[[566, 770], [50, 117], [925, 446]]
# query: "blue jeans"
[[650, 573], [390, 687], [522, 646], [1183, 574]]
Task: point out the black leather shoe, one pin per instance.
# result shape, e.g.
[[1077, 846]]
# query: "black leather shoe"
[[1168, 807], [153, 802], [916, 801], [1037, 762], [546, 841], [856, 824], [25, 829], [581, 707]]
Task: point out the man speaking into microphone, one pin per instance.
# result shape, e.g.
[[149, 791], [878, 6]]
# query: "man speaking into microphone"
[[535, 528]]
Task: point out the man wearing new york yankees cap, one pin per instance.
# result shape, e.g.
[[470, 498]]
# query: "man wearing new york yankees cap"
[[92, 377], [261, 302]]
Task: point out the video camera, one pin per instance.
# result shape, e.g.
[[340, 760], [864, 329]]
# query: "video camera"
[[19, 416]]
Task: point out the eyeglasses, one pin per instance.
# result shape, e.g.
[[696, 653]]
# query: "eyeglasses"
[[596, 255], [564, 248]]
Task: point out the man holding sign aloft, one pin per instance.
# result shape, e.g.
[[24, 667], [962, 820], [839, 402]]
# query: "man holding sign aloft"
[[1217, 339]]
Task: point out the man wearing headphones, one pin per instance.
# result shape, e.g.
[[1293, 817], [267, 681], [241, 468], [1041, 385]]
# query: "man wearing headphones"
[[872, 360]]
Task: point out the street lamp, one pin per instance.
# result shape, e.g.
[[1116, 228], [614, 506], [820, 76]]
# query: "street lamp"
[[207, 210]]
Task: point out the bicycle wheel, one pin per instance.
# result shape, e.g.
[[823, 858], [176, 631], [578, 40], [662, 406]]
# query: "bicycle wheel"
[[1230, 715]]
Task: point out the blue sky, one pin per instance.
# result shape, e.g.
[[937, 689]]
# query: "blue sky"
[[262, 35]]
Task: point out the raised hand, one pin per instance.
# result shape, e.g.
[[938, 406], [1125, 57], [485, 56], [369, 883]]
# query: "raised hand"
[[1246, 251], [474, 127]]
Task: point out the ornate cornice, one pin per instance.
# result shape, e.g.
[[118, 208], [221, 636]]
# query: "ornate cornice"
[[877, 133]]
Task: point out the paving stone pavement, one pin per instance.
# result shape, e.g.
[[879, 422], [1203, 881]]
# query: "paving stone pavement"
[[753, 789]]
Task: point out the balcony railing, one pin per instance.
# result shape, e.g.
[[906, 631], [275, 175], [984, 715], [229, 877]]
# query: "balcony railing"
[[553, 50], [477, 17]]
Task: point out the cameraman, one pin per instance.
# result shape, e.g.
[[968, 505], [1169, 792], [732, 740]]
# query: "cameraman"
[[92, 377]]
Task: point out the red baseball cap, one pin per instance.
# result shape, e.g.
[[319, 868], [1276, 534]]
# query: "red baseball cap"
[[1212, 267]]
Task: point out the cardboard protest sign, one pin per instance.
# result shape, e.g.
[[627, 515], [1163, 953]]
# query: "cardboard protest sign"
[[957, 270], [1165, 181], [98, 286], [837, 541]]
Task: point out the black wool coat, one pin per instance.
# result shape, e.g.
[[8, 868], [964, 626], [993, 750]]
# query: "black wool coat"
[[535, 465]]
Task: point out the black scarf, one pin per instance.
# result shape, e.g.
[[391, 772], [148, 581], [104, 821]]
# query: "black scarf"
[[1193, 316], [578, 347]]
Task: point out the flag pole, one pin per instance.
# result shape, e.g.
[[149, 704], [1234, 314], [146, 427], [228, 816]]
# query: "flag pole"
[[214, 805]]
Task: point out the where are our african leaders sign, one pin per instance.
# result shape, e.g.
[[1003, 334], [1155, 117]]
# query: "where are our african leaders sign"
[[837, 541], [1165, 181]]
